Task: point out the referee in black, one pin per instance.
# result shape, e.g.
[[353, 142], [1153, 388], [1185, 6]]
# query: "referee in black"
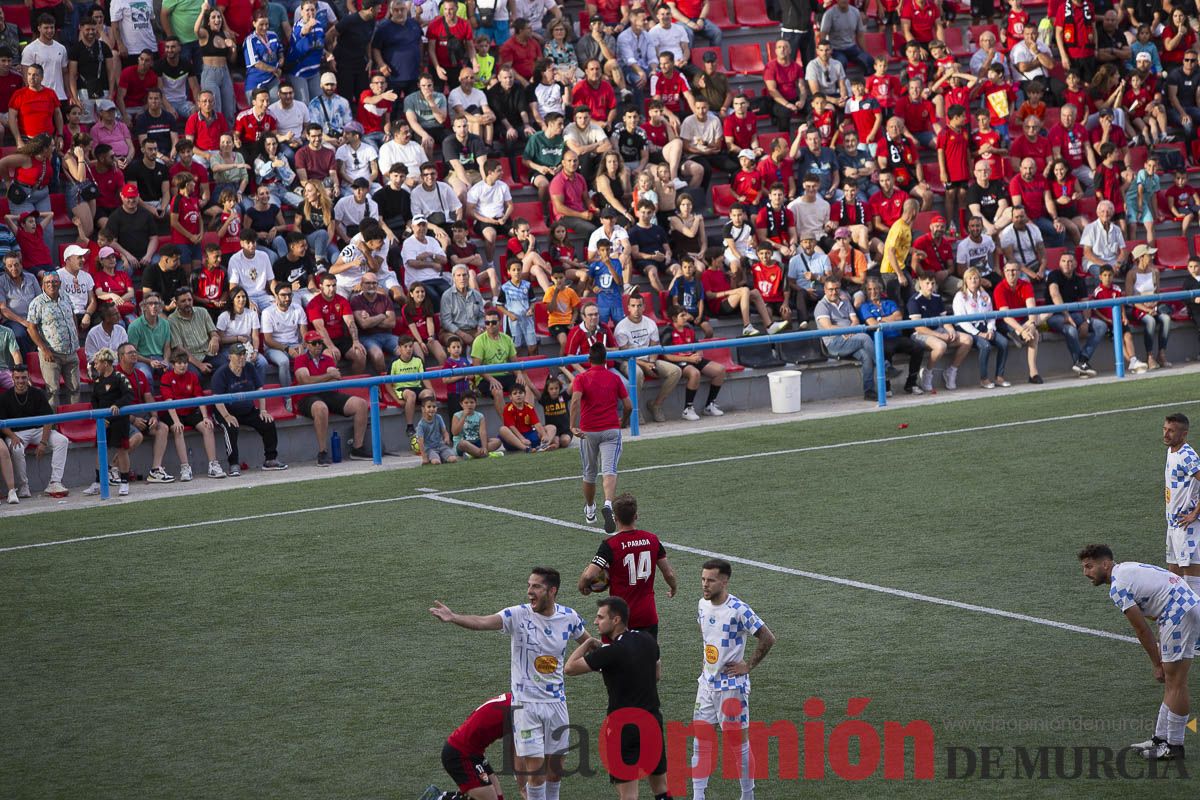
[[631, 670]]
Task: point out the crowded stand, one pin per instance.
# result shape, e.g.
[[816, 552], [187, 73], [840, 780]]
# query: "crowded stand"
[[211, 198]]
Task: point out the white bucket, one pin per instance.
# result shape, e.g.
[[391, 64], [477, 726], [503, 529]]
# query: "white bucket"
[[785, 391]]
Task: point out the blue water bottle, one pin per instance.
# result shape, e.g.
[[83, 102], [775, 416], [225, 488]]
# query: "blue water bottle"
[[335, 447]]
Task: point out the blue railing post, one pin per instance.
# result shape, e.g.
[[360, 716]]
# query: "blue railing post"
[[1119, 339], [102, 456], [880, 368], [376, 432], [633, 369]]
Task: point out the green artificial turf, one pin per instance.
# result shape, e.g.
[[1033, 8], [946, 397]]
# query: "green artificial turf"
[[292, 655]]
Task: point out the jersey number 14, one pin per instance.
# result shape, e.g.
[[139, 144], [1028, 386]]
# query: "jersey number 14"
[[639, 567]]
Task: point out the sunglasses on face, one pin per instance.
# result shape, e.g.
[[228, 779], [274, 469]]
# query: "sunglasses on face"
[[491, 322]]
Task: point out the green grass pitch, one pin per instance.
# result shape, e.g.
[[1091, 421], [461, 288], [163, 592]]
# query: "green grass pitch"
[[292, 655]]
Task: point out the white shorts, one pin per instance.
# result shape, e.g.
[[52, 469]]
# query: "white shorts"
[[1177, 640], [710, 705], [1182, 550], [540, 729]]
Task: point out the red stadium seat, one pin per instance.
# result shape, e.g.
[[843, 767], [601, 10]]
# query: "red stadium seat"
[[62, 218], [718, 14], [977, 30], [753, 14], [648, 300], [84, 376], [954, 41], [1136, 158], [361, 391], [698, 57], [34, 362], [746, 59], [275, 406], [722, 199], [19, 16], [764, 139], [933, 176], [439, 391], [507, 175], [921, 223], [239, 96], [532, 211], [1086, 206], [80, 431], [1172, 252], [541, 319], [537, 375], [724, 357]]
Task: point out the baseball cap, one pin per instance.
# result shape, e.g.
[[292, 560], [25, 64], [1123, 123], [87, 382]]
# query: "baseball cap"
[[328, 78], [353, 126], [842, 233], [105, 105], [747, 153], [419, 219], [130, 190], [809, 234], [237, 349], [76, 250], [709, 57], [937, 219], [1144, 250], [1143, 56], [105, 252], [312, 336]]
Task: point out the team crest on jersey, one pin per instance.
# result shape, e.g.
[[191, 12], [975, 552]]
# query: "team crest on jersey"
[[546, 665], [711, 653], [547, 631], [712, 620]]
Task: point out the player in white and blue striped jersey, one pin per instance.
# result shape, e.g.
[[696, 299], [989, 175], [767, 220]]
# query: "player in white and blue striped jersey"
[[1145, 592], [723, 694], [1182, 494], [540, 630]]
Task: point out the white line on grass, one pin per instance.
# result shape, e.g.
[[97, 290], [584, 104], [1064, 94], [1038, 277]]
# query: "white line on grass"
[[203, 523], [816, 576], [575, 477]]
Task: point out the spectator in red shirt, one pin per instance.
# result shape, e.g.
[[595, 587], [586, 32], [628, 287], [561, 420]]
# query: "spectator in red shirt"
[[933, 254], [1030, 144], [1069, 141], [133, 85], [569, 198], [521, 51], [596, 94], [1030, 191], [451, 43], [886, 205], [253, 124], [330, 315], [694, 365], [522, 431], [206, 126], [34, 109], [315, 366], [921, 21], [1011, 293], [785, 84], [1075, 31], [182, 384]]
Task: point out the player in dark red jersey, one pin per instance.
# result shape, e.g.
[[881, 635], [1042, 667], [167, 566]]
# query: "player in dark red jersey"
[[631, 556], [463, 755]]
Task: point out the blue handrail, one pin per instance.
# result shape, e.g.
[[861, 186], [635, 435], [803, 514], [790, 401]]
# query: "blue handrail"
[[374, 383]]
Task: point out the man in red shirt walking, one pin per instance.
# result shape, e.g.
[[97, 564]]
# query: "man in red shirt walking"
[[630, 558], [594, 421]]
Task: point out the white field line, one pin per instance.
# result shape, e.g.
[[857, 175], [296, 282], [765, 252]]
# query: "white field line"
[[816, 576], [575, 477]]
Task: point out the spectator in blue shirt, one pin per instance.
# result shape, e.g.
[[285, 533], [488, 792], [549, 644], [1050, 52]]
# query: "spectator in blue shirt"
[[263, 55], [233, 378], [604, 275], [877, 309], [396, 48], [936, 337], [307, 50]]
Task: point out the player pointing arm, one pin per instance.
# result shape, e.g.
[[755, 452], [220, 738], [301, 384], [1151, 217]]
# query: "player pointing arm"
[[472, 622]]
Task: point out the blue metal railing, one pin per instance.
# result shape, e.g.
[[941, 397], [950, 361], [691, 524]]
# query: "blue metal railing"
[[630, 357]]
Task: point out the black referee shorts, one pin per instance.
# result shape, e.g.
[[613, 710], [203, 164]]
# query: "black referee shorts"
[[631, 748]]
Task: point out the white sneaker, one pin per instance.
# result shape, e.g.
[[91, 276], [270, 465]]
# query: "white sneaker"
[[214, 470], [56, 489], [12, 497], [23, 491], [750, 330], [114, 476], [1137, 366], [776, 327], [926, 377], [185, 472], [589, 514], [124, 490], [160, 475], [679, 183], [950, 376], [713, 410], [690, 414], [94, 489], [1146, 745]]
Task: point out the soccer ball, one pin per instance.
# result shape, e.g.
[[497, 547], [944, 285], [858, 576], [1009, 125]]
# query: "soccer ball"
[[601, 583]]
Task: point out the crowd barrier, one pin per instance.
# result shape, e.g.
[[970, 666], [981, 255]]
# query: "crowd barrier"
[[374, 383]]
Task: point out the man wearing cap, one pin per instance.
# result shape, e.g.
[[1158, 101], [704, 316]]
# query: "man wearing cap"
[[357, 159], [22, 401], [134, 228], [353, 49], [315, 366], [712, 85], [112, 131], [235, 378], [424, 260], [806, 273], [933, 253], [427, 112], [78, 286], [53, 330], [329, 109]]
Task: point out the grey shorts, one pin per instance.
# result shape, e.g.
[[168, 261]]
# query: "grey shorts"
[[600, 451]]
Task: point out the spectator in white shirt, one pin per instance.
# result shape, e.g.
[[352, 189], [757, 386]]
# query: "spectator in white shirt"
[[489, 207], [283, 325], [357, 159], [403, 150], [251, 269], [667, 37], [467, 100], [424, 261], [351, 210], [291, 116]]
